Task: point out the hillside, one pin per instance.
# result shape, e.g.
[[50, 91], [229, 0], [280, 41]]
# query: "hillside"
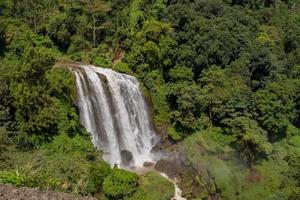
[[222, 78]]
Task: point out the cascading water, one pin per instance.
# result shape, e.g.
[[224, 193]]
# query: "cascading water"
[[114, 111]]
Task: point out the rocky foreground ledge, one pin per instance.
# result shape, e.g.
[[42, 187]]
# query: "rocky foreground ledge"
[[9, 192]]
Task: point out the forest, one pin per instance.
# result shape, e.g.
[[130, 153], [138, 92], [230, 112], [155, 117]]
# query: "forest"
[[223, 77]]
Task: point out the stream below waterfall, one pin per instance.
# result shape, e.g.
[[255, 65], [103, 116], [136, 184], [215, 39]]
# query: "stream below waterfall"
[[178, 191]]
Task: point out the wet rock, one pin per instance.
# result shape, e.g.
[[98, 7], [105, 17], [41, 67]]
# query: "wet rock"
[[148, 164], [161, 129], [170, 166], [176, 167], [127, 157], [155, 149]]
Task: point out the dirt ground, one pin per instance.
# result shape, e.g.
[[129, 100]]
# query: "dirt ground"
[[8, 192]]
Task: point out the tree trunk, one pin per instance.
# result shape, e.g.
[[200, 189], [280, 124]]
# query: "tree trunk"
[[94, 31], [18, 7], [210, 114]]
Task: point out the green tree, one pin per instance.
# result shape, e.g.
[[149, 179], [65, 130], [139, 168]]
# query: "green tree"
[[276, 107], [32, 11], [223, 96], [149, 49], [291, 37], [96, 11], [185, 105], [260, 67], [251, 140], [60, 30], [254, 4]]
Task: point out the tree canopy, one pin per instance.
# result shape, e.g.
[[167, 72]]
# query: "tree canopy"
[[223, 77]]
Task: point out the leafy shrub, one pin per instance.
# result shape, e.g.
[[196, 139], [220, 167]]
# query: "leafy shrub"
[[12, 177], [123, 68], [174, 134], [4, 143], [141, 195], [120, 184], [295, 141], [102, 62], [97, 173], [65, 164], [46, 181]]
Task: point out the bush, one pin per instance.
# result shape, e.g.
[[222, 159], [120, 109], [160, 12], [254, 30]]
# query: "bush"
[[123, 68], [101, 61], [65, 164], [120, 184], [174, 134], [4, 141], [97, 173], [12, 177], [141, 195]]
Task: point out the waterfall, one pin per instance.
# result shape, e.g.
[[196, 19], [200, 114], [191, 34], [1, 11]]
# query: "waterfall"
[[113, 110]]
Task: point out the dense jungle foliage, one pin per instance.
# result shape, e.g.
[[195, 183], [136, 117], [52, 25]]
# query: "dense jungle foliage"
[[223, 77]]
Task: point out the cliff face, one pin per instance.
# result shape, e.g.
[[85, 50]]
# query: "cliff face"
[[8, 192]]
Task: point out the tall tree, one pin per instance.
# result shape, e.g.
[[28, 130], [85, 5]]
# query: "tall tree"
[[96, 10]]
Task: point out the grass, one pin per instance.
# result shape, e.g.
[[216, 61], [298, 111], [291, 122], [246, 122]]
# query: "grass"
[[61, 165], [156, 187]]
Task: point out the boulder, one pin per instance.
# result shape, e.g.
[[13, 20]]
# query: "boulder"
[[126, 157], [148, 164]]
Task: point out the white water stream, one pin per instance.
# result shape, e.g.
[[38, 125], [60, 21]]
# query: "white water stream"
[[178, 191]]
